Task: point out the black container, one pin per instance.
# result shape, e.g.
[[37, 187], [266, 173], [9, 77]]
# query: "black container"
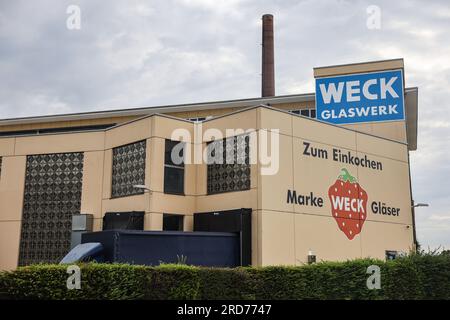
[[133, 220], [238, 221], [211, 249]]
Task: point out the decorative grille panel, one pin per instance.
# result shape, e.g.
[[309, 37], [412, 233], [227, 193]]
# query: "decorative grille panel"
[[233, 174], [128, 169], [52, 195]]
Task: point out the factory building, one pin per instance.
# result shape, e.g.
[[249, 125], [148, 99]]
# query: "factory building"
[[322, 174]]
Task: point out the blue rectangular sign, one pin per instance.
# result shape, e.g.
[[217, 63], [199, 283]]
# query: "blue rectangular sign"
[[364, 97]]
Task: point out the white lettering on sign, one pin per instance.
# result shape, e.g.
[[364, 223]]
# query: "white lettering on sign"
[[388, 87], [332, 92], [359, 112], [354, 91], [347, 204], [366, 90]]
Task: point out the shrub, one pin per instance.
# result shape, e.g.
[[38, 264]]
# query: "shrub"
[[226, 284], [424, 276], [98, 281], [174, 282]]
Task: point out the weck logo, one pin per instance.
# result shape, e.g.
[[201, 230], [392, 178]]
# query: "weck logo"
[[348, 204], [362, 97]]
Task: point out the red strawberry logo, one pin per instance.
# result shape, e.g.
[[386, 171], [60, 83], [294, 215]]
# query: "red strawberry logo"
[[348, 204]]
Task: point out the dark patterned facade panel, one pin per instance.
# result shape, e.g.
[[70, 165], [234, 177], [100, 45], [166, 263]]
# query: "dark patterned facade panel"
[[128, 169], [231, 170], [53, 184]]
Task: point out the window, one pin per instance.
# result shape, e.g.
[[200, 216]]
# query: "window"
[[174, 167], [128, 169], [199, 119], [310, 113], [228, 165], [173, 222], [52, 195], [55, 130]]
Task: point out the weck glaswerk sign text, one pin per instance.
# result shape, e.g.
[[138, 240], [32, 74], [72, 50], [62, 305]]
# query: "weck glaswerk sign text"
[[365, 97]]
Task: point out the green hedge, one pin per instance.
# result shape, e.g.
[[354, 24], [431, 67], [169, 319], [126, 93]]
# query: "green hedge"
[[414, 277]]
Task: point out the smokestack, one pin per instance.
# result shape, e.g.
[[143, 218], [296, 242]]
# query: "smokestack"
[[268, 72]]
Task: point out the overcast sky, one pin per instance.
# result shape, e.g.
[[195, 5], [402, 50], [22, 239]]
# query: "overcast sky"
[[145, 53]]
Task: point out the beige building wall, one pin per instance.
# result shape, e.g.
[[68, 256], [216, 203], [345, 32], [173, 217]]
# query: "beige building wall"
[[289, 231], [12, 183], [282, 233]]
